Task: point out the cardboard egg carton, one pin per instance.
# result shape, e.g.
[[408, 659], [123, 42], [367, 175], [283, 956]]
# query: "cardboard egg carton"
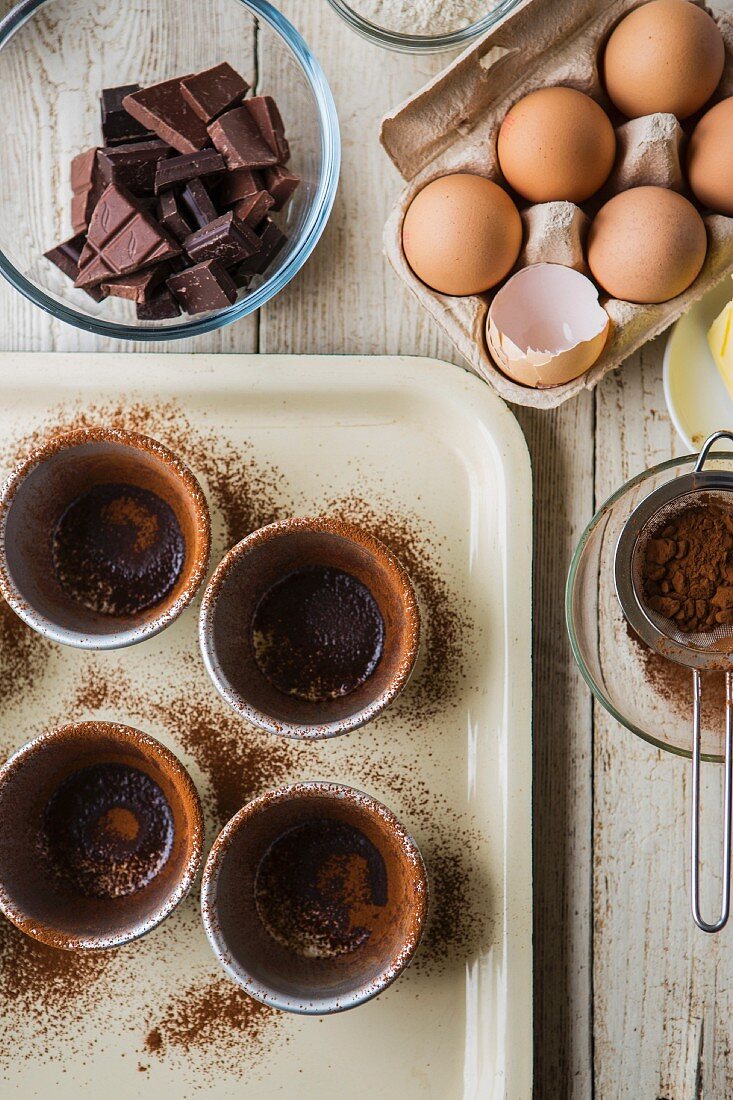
[[452, 126]]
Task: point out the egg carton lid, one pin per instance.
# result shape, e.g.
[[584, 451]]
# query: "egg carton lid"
[[451, 125]]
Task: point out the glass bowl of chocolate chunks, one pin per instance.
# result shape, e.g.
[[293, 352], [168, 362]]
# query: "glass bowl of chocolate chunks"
[[168, 166]]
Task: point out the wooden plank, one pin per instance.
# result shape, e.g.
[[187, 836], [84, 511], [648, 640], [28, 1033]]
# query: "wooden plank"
[[662, 988]]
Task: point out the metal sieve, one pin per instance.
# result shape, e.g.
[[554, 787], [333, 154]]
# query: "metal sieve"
[[705, 651]]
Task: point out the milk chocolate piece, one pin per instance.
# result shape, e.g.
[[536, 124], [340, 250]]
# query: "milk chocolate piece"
[[271, 241], [139, 287], [225, 239], [214, 91], [186, 167], [281, 184], [171, 218], [66, 258], [133, 166], [253, 209], [196, 201], [238, 139], [160, 307], [270, 124], [238, 185], [163, 109], [203, 287], [118, 127], [122, 238], [86, 188]]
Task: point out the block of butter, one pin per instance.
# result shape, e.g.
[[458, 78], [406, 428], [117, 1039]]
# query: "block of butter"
[[720, 340]]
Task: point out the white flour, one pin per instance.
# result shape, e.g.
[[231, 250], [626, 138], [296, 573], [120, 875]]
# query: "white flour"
[[428, 17]]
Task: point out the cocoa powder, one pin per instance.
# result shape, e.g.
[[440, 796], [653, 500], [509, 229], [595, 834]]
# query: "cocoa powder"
[[688, 569]]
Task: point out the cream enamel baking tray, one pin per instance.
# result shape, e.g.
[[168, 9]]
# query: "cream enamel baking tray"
[[425, 455]]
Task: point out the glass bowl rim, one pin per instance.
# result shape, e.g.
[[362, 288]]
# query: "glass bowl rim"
[[598, 693], [421, 43], [309, 235]]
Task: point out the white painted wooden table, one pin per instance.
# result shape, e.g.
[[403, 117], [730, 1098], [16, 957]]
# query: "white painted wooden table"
[[630, 1000]]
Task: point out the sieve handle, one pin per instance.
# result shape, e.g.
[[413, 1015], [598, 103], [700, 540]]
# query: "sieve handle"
[[705, 449], [727, 800]]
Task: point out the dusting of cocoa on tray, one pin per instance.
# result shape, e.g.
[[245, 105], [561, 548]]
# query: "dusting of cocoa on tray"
[[211, 1021]]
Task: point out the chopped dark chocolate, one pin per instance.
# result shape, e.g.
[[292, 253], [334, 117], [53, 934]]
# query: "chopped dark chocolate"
[[270, 124], [237, 137], [171, 218], [196, 202], [203, 287], [226, 239], [214, 91], [86, 188], [253, 209], [281, 184], [122, 238], [272, 240], [160, 307], [238, 184], [133, 166], [163, 109], [140, 286], [119, 127], [66, 258], [187, 166]]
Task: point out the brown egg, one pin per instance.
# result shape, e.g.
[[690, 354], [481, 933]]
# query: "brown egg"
[[462, 234], [710, 158], [646, 245], [666, 56], [556, 144]]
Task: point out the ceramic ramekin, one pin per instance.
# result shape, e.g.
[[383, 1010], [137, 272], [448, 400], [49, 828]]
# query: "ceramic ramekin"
[[273, 971], [36, 495], [250, 569], [31, 895]]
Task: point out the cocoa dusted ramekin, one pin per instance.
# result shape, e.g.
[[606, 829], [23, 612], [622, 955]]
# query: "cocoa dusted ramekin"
[[39, 492], [354, 940], [253, 568], [52, 797]]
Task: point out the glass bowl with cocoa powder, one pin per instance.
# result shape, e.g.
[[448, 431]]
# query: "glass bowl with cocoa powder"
[[645, 692]]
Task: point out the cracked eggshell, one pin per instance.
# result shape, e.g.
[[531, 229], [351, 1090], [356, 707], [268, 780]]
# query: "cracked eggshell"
[[546, 326]]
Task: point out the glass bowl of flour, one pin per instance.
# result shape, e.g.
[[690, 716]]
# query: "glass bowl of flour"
[[422, 26]]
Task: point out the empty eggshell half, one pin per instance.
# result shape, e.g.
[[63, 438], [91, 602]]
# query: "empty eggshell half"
[[546, 325]]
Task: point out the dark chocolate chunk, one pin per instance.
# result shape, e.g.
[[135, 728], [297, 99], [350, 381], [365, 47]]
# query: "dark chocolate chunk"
[[238, 184], [196, 202], [122, 238], [272, 240], [159, 308], [281, 184], [204, 287], [163, 109], [86, 187], [66, 258], [270, 124], [187, 166], [133, 166], [214, 91], [253, 209], [237, 137], [226, 239], [171, 218], [138, 287], [118, 127]]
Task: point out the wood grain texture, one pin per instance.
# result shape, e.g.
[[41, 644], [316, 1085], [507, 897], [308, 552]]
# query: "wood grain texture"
[[630, 1000]]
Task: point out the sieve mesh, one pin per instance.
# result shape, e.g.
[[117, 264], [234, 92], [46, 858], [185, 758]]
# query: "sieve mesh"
[[721, 638]]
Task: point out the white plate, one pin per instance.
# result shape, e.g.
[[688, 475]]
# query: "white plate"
[[412, 437], [697, 399]]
